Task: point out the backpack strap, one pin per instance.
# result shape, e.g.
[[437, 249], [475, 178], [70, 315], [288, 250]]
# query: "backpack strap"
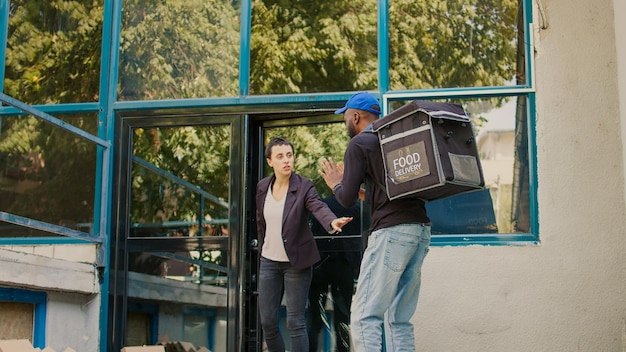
[[370, 129]]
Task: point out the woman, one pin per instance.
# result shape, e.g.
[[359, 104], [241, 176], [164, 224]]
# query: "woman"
[[284, 201]]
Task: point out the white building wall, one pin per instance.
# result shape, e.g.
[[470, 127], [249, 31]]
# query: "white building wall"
[[569, 292], [73, 321], [68, 275], [620, 44]]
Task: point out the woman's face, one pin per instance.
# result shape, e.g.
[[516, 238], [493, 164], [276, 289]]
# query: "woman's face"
[[281, 160]]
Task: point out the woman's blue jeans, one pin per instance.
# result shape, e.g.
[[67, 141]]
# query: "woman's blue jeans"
[[276, 278], [388, 286]]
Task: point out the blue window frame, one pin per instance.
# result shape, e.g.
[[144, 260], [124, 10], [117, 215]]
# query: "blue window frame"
[[38, 299]]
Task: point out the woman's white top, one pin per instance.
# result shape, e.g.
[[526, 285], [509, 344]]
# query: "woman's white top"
[[273, 246]]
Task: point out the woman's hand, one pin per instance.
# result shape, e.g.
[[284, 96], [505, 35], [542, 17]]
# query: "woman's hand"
[[338, 223]]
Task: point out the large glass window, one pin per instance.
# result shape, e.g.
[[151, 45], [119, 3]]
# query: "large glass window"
[[53, 51], [444, 44], [180, 181], [308, 46], [47, 173], [179, 235], [179, 49], [501, 128]]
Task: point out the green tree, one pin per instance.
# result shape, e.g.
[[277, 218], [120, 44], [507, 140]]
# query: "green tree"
[[186, 49], [53, 51], [306, 46], [303, 46], [178, 49], [441, 43], [198, 155]]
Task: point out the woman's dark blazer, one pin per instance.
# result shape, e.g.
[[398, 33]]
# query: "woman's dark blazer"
[[302, 200]]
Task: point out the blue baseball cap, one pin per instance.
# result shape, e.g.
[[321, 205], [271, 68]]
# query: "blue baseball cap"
[[361, 101]]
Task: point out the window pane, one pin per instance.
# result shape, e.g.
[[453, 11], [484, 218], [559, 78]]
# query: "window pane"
[[208, 267], [444, 44], [12, 230], [311, 46], [501, 130], [197, 329], [179, 49], [53, 51], [17, 321], [183, 286], [138, 329], [180, 179], [47, 173]]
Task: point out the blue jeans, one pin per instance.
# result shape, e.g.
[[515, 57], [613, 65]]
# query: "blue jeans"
[[276, 278], [388, 287]]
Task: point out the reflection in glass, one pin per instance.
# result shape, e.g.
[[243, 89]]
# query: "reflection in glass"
[[500, 127], [445, 44], [179, 49], [206, 267], [53, 51], [188, 291], [47, 173], [180, 189], [180, 181], [312, 46], [138, 329], [12, 230], [200, 327]]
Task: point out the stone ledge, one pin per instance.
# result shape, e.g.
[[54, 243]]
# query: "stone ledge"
[[40, 272]]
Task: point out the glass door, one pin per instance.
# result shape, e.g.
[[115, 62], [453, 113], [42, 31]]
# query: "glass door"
[[179, 234], [314, 135]]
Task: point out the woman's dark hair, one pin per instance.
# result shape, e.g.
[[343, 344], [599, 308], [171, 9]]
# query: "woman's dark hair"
[[276, 141]]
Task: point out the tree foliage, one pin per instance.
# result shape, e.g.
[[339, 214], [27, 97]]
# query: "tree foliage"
[[198, 155], [53, 51], [189, 49], [306, 46], [178, 49], [172, 49], [303, 46], [47, 174], [440, 43]]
